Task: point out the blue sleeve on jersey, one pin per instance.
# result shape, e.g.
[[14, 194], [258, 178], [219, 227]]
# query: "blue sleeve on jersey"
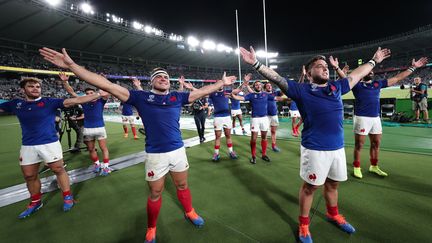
[[248, 97], [271, 97], [184, 97], [344, 84], [384, 83], [279, 93], [58, 103], [133, 96], [293, 90]]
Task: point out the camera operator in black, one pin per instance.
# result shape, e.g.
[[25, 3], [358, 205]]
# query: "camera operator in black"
[[75, 117], [199, 111]]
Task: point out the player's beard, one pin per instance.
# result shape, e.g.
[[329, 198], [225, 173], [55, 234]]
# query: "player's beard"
[[257, 90], [318, 80], [367, 78]]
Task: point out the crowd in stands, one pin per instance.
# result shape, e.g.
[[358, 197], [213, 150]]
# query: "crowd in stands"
[[9, 87]]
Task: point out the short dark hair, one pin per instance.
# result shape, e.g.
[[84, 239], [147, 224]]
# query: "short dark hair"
[[309, 64], [26, 80], [89, 89]]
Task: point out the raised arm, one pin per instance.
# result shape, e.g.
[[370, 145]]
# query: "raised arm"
[[65, 79], [80, 99], [63, 60], [137, 84], [334, 62], [237, 97], [245, 83], [402, 75], [208, 89], [268, 73], [358, 73], [303, 74]]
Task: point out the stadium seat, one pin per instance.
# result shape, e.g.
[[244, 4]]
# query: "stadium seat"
[[348, 110], [387, 110]]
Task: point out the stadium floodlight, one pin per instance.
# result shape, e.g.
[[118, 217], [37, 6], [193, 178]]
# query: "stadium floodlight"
[[136, 25], [228, 50], [261, 53], [220, 47], [107, 14], [208, 45], [53, 2], [148, 29], [273, 66], [192, 41], [116, 19], [237, 51], [87, 8]]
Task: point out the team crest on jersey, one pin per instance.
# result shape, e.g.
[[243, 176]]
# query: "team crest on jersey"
[[151, 98], [150, 174], [173, 98], [376, 84], [41, 104], [18, 105]]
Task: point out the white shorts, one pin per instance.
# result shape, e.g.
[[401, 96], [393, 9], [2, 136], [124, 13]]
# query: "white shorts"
[[364, 125], [97, 133], [316, 166], [236, 112], [273, 120], [128, 120], [33, 154], [222, 122], [259, 124], [295, 113], [159, 164]]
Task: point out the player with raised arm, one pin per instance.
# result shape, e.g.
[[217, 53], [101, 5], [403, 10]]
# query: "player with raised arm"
[[36, 115], [94, 127], [160, 112], [322, 158], [367, 120]]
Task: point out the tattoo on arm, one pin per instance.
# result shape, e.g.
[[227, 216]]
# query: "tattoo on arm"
[[273, 77]]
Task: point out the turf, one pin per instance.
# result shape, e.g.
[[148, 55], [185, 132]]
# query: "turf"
[[11, 142], [240, 202]]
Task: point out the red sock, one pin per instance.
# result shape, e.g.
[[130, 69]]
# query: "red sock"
[[153, 208], [95, 159], [264, 147], [185, 199], [374, 162], [304, 220], [333, 211], [273, 145], [134, 131], [35, 198], [229, 145], [253, 148], [356, 163], [125, 129], [106, 161], [66, 193]]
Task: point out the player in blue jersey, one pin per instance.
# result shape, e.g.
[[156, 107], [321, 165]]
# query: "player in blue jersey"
[[259, 121], [40, 142], [236, 111], [94, 128], [160, 112], [128, 118], [322, 159], [367, 121], [222, 121], [272, 113]]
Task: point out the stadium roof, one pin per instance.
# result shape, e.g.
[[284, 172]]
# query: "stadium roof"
[[33, 22]]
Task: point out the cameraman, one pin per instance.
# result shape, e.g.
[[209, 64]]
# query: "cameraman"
[[199, 107], [419, 97], [75, 117]]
